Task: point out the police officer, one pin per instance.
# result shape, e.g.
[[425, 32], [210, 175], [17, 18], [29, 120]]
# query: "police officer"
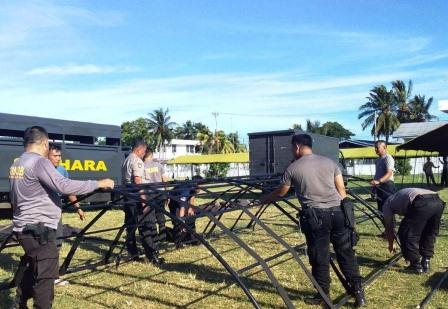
[[422, 210], [133, 173], [35, 186], [155, 173], [383, 181], [320, 189]]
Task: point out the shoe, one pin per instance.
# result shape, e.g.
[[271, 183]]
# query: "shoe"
[[415, 268], [426, 266], [316, 300], [360, 298], [156, 261], [61, 282]]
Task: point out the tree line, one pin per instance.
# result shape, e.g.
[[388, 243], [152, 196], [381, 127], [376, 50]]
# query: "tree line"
[[386, 108], [158, 130]]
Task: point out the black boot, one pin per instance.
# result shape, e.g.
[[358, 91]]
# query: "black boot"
[[426, 265], [415, 268], [156, 260], [360, 298], [316, 300]]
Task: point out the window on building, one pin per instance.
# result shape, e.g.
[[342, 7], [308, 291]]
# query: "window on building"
[[190, 148], [173, 148]]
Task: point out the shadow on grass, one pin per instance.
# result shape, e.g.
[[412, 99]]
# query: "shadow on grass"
[[204, 273], [434, 280]]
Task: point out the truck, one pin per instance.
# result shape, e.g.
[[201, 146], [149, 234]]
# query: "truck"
[[89, 150], [270, 152]]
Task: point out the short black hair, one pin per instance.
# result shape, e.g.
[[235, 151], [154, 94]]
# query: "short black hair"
[[148, 152], [138, 143], [380, 141], [302, 139], [34, 135], [55, 147]]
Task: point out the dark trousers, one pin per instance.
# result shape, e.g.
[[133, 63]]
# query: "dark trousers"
[[332, 230], [444, 178], [430, 178], [383, 191], [160, 218], [38, 269], [420, 226], [147, 230]]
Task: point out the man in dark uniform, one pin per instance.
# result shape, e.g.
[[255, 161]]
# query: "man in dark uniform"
[[155, 173], [186, 193], [132, 173], [35, 186], [422, 210], [444, 177], [383, 181], [320, 189]]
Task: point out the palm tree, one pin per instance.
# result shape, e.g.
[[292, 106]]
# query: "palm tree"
[[186, 131], [222, 143], [419, 109], [313, 126], [402, 95], [380, 107], [206, 140], [161, 127]]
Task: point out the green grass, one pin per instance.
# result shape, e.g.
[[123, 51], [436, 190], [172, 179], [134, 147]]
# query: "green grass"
[[193, 278]]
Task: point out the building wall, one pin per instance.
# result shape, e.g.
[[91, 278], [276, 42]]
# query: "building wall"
[[177, 148], [182, 171], [366, 167]]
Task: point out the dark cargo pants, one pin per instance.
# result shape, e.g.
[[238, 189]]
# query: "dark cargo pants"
[[38, 269], [147, 230], [420, 226], [383, 191], [332, 229]]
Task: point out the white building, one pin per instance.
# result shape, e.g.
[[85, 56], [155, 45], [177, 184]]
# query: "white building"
[[443, 106], [177, 147]]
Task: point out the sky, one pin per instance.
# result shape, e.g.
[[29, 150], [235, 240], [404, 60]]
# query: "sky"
[[261, 65]]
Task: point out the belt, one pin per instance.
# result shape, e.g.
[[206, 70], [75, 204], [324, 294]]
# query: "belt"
[[427, 196], [331, 209]]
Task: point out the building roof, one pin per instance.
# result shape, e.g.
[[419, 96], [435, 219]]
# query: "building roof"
[[58, 126], [414, 129], [369, 153], [354, 143], [435, 140]]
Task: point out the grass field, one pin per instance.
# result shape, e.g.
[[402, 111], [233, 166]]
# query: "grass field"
[[193, 278]]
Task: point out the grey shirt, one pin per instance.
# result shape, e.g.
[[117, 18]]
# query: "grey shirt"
[[398, 203], [313, 179], [132, 166], [153, 172], [382, 165], [35, 186]]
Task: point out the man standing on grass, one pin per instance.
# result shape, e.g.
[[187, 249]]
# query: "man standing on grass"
[[55, 156], [155, 173], [383, 182], [427, 168], [320, 189], [422, 210], [35, 188], [132, 173]]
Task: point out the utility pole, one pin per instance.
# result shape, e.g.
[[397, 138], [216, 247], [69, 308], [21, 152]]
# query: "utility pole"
[[216, 114], [374, 128]]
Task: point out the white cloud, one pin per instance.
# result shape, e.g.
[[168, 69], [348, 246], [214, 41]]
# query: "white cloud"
[[259, 101], [74, 69]]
